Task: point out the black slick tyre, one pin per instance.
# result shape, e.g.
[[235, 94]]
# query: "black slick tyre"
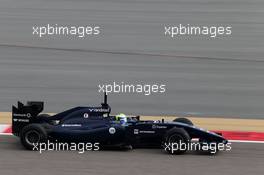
[[176, 141], [33, 134], [183, 120]]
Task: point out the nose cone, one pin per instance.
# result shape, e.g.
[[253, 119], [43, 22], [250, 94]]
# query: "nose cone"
[[220, 138]]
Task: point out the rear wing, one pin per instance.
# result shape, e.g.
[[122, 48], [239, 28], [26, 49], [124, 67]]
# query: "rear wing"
[[23, 115]]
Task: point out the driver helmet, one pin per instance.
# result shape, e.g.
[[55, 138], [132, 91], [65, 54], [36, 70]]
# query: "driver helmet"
[[122, 118]]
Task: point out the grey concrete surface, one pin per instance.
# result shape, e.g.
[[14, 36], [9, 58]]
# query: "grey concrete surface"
[[213, 77], [243, 159]]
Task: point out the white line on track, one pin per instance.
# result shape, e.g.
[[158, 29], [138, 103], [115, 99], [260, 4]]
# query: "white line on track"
[[6, 134], [245, 141]]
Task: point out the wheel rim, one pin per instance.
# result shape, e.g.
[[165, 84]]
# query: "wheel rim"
[[32, 137], [175, 138]]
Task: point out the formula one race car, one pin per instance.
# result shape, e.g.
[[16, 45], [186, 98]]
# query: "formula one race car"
[[96, 125]]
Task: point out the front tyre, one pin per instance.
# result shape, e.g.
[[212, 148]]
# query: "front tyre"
[[183, 120], [33, 134], [43, 115], [176, 141]]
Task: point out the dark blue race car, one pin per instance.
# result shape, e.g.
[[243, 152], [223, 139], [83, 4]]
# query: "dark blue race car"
[[96, 125]]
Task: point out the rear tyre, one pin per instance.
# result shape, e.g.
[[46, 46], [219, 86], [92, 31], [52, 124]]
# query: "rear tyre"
[[33, 134], [183, 120], [176, 141]]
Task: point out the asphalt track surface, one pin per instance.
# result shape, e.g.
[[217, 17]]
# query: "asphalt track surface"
[[243, 159], [209, 77]]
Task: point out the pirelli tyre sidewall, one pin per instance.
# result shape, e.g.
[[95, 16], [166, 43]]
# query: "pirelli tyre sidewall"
[[33, 134], [175, 136]]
